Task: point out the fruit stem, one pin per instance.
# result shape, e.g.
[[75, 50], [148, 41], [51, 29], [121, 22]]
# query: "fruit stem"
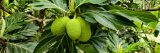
[[75, 15], [71, 6], [56, 17]]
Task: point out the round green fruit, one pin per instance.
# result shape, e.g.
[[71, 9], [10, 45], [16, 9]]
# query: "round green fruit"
[[73, 29], [85, 30], [58, 26]]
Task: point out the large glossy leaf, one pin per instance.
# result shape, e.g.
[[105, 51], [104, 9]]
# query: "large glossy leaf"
[[114, 22], [45, 44], [47, 4], [98, 41], [87, 48], [89, 18], [96, 1], [81, 2], [14, 48], [64, 45], [61, 3], [102, 20], [132, 15], [118, 20], [58, 44]]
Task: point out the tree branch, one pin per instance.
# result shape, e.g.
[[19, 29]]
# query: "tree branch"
[[153, 9], [41, 23], [33, 18]]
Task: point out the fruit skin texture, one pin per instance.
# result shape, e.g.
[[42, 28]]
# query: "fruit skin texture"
[[58, 26], [73, 29], [85, 30]]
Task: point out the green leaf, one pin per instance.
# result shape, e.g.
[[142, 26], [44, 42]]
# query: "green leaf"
[[114, 1], [96, 1], [158, 26], [114, 43], [132, 15], [81, 2], [14, 21], [23, 34], [114, 7], [87, 48], [14, 48], [155, 13], [64, 45], [70, 45], [118, 20], [157, 48], [45, 44], [89, 18], [133, 47], [98, 41], [111, 21], [58, 44], [61, 3], [46, 4], [102, 20]]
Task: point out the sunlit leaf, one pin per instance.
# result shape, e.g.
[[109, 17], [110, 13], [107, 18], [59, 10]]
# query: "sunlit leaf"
[[14, 48], [102, 20], [132, 15], [45, 44], [81, 2], [46, 4], [157, 48]]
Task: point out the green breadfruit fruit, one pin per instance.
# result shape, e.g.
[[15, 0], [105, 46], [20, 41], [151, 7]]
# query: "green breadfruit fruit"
[[58, 26], [85, 30], [73, 29]]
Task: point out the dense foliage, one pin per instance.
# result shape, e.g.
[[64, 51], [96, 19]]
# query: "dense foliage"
[[79, 26]]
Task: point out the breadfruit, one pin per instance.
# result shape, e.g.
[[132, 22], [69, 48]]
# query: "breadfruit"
[[85, 30], [58, 26], [73, 29]]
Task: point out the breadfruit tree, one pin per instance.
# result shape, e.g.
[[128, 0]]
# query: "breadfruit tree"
[[79, 26]]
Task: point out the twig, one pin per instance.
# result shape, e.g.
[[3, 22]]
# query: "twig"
[[33, 18], [153, 9], [41, 23]]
